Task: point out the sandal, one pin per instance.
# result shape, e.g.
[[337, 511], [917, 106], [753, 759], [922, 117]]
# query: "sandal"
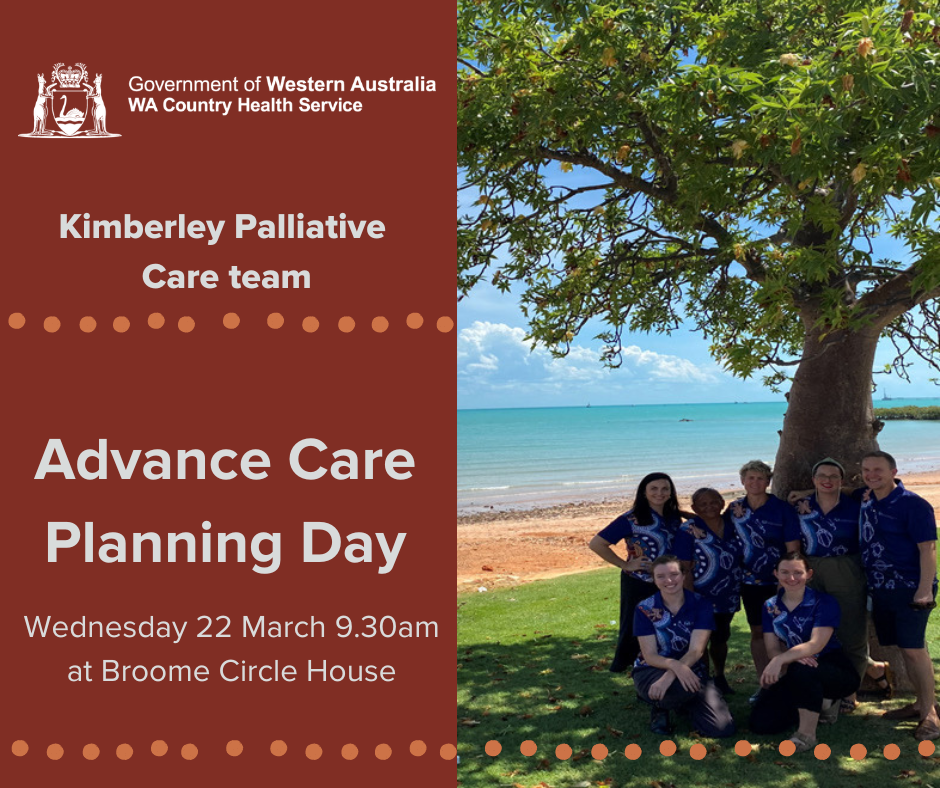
[[803, 743], [927, 730], [884, 682], [848, 705], [830, 712]]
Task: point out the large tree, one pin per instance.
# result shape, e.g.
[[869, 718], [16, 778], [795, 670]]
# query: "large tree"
[[718, 163]]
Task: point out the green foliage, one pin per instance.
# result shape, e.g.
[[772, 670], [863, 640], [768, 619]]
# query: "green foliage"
[[908, 413], [715, 162]]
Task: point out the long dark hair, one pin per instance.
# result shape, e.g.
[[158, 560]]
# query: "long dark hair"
[[642, 510]]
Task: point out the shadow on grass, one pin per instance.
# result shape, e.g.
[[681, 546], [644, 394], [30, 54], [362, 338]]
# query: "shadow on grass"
[[532, 665]]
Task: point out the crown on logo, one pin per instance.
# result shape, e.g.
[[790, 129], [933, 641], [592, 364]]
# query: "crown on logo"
[[69, 77]]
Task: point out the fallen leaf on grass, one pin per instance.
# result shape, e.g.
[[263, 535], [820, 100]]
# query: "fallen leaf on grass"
[[468, 723], [585, 711], [614, 732]]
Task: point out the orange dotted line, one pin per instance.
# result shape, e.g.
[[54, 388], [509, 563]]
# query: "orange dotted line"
[[235, 748], [231, 320], [698, 751]]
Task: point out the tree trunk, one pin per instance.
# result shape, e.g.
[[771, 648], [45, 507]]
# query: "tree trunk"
[[829, 411], [830, 414]]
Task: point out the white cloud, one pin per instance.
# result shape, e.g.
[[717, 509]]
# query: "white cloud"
[[494, 358]]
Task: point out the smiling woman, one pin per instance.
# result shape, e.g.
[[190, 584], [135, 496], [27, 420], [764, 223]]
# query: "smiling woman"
[[648, 529]]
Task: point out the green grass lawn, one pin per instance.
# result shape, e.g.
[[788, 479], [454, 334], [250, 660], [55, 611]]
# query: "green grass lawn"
[[532, 664]]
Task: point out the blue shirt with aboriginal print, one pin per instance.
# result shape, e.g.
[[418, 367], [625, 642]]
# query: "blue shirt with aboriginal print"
[[796, 626], [717, 570], [651, 540], [764, 534], [673, 631], [889, 532], [832, 533]]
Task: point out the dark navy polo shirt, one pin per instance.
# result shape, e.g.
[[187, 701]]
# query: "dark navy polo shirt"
[[764, 534], [832, 533], [651, 540], [673, 631], [889, 532], [717, 570], [796, 626]]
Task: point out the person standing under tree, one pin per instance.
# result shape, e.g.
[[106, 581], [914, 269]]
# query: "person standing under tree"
[[829, 528], [898, 538], [768, 528], [648, 528]]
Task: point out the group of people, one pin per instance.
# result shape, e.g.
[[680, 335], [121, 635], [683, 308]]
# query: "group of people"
[[804, 570]]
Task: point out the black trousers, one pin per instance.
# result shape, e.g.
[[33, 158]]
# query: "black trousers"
[[632, 592], [803, 687], [707, 710]]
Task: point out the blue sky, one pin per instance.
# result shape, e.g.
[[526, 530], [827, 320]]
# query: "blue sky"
[[497, 369]]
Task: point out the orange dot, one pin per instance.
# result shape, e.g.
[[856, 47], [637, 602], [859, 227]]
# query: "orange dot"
[[55, 751], [275, 320], [51, 324], [926, 748], [346, 324], [599, 752], [278, 748], [698, 751], [787, 748], [528, 747], [350, 751], [20, 748], [633, 751], [380, 325], [563, 752], [445, 324], [91, 751], [189, 751], [448, 752], [892, 751], [124, 752], [822, 752], [156, 320], [87, 324], [313, 751], [17, 320], [858, 752], [667, 748], [159, 748], [186, 324], [492, 748], [383, 752], [121, 324], [311, 324], [231, 320], [414, 320], [234, 748], [419, 748], [743, 748]]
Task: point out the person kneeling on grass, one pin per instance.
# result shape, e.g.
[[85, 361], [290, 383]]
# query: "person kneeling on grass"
[[808, 672], [673, 627]]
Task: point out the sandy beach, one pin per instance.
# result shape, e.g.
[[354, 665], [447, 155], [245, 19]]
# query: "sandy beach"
[[496, 549]]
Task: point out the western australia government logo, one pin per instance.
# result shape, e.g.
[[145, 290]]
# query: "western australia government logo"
[[68, 106]]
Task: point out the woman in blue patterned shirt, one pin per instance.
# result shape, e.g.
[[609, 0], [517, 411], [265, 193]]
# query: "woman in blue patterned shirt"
[[648, 528], [711, 554], [808, 672]]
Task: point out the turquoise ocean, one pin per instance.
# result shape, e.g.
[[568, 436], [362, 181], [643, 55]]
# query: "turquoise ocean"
[[531, 457]]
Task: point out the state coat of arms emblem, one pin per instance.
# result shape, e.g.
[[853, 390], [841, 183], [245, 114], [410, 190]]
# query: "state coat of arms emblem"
[[69, 106]]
